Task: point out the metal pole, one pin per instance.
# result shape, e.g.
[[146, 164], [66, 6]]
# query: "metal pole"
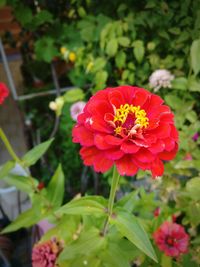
[[45, 93], [8, 72]]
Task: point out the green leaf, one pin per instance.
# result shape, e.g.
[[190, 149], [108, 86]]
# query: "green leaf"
[[23, 14], [120, 59], [25, 219], [81, 12], [195, 56], [125, 74], [101, 78], [71, 223], [23, 183], [56, 188], [193, 188], [84, 206], [180, 83], [124, 41], [192, 116], [112, 47], [175, 30], [173, 101], [129, 227], [32, 156], [42, 17], [99, 64], [114, 256], [45, 49], [73, 95], [184, 164], [138, 50], [89, 242], [194, 84], [128, 201], [5, 169]]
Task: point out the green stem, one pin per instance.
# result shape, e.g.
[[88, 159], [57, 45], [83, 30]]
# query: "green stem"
[[8, 146], [114, 184]]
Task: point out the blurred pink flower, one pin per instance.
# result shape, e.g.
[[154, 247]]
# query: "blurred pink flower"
[[195, 137], [76, 109], [172, 239], [45, 254], [188, 156], [160, 78]]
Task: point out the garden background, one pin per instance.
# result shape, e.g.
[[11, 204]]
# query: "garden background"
[[81, 47]]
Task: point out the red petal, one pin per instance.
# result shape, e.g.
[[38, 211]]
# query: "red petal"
[[144, 155], [158, 111], [129, 147], [87, 154], [98, 124], [153, 123], [99, 141], [157, 147], [162, 131], [116, 98], [168, 155], [174, 133], [141, 97], [82, 135], [169, 143], [98, 107], [82, 117], [125, 166], [112, 140], [167, 118], [101, 163], [157, 167], [128, 92], [153, 101], [141, 165], [114, 154]]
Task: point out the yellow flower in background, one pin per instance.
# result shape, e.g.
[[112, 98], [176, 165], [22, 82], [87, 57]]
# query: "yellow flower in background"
[[72, 56], [63, 50]]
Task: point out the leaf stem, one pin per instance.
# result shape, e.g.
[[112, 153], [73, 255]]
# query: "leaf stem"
[[8, 146], [114, 184]]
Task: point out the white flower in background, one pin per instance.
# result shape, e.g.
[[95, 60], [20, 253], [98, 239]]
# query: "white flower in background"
[[76, 109], [160, 78]]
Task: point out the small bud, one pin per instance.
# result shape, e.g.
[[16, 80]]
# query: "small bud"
[[53, 105]]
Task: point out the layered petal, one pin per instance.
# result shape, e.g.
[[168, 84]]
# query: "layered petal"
[[126, 167]]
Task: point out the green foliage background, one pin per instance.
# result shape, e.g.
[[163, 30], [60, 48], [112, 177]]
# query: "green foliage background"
[[122, 42]]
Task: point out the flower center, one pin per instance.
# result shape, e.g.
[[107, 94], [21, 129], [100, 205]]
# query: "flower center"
[[128, 119], [170, 241]]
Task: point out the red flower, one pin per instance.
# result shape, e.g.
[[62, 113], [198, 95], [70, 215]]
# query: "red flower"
[[46, 253], [172, 239], [41, 185], [127, 126], [4, 92]]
